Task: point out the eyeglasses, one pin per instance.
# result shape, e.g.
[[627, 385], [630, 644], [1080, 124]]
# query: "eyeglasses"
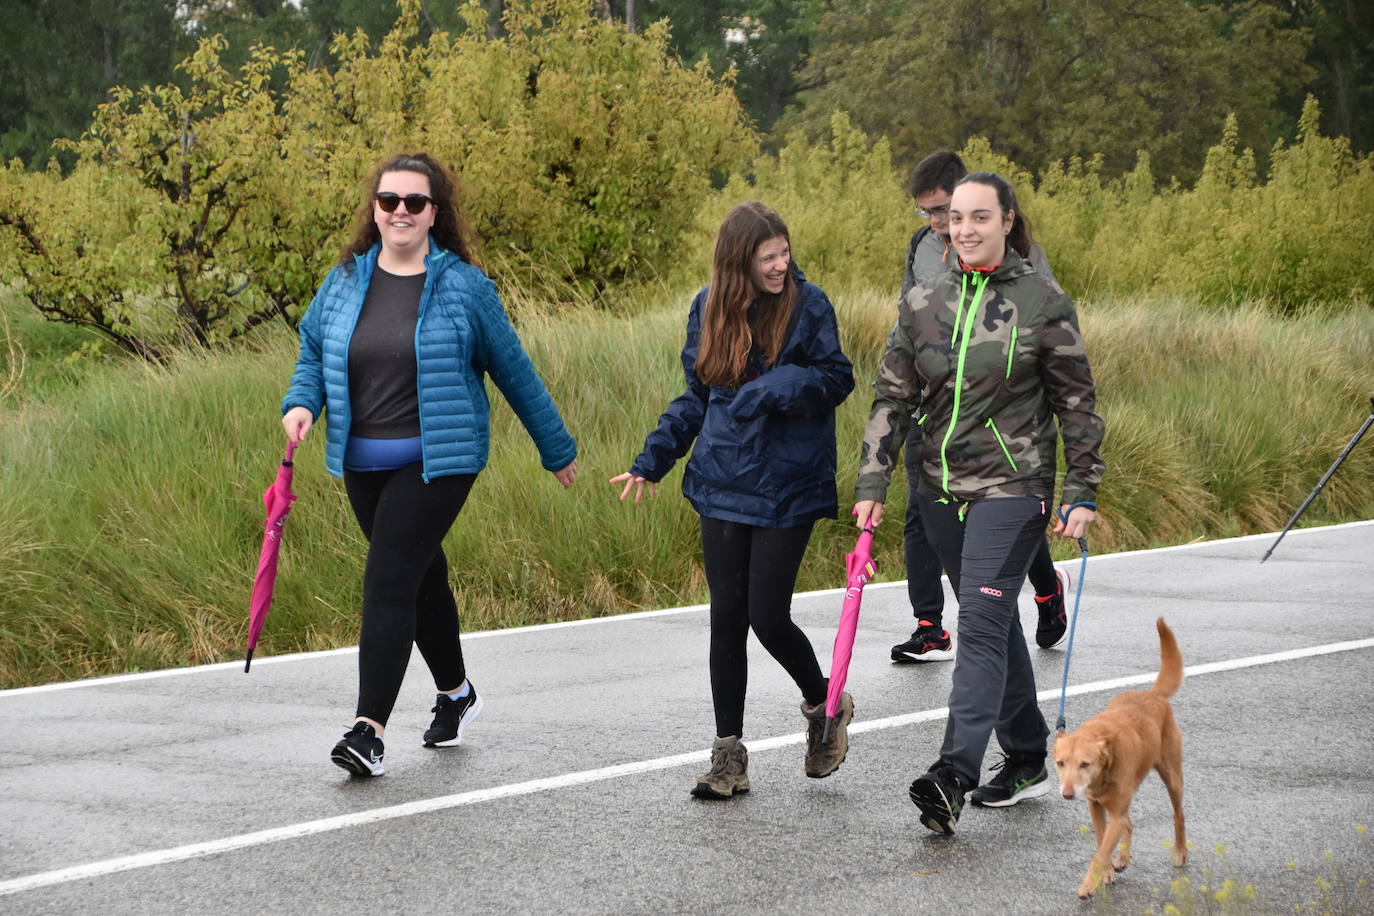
[[415, 203], [933, 212]]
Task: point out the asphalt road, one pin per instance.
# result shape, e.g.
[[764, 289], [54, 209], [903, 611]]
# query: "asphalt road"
[[210, 791]]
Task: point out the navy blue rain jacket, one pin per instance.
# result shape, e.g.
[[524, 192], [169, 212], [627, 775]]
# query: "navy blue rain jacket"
[[765, 452]]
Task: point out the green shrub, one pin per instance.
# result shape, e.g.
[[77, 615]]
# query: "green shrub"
[[1299, 238], [1296, 239], [845, 209]]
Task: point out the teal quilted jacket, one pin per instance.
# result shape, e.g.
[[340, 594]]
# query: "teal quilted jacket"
[[462, 335]]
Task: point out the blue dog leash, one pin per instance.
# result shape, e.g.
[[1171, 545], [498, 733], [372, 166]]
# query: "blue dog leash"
[[1073, 621]]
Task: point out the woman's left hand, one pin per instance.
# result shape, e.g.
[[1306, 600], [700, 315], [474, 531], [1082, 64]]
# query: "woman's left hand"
[[1079, 520], [636, 483], [566, 475]]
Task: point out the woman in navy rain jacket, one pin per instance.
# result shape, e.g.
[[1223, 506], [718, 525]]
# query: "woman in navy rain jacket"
[[764, 374], [394, 347]]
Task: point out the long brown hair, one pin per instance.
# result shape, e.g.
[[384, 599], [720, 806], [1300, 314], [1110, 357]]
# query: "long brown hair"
[[726, 333], [450, 229], [1019, 236]]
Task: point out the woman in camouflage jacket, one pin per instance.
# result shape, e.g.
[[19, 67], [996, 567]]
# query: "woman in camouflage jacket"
[[988, 355]]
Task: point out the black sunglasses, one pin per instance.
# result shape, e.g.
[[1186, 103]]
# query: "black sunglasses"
[[415, 203]]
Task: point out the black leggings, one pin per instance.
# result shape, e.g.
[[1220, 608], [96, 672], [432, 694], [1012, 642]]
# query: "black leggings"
[[751, 572], [406, 597]]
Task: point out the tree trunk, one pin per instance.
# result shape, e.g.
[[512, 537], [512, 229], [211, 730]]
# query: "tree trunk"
[[494, 10]]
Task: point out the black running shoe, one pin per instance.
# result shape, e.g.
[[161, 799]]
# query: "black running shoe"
[[929, 643], [451, 718], [360, 751], [940, 796], [1019, 776], [1054, 622]]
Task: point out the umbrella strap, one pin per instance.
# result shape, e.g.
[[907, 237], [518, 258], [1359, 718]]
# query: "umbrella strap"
[[1073, 621]]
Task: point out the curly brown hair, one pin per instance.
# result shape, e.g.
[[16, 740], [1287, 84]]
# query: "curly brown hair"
[[450, 229]]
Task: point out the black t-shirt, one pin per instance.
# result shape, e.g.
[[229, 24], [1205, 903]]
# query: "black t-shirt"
[[382, 387]]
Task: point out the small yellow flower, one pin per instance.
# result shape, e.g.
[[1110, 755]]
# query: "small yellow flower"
[[1322, 883], [1171, 910], [1361, 828], [1220, 849]]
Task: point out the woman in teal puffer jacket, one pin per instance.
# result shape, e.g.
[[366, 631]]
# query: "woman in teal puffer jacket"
[[394, 348]]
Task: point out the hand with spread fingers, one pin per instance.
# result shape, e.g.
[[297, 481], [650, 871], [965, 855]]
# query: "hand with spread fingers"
[[636, 483]]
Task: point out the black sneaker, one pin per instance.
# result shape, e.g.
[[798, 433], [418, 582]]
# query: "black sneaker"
[[940, 796], [1054, 622], [1021, 776], [360, 751], [451, 718], [929, 643]]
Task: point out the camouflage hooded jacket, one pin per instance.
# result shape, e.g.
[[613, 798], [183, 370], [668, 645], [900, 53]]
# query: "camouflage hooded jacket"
[[989, 361]]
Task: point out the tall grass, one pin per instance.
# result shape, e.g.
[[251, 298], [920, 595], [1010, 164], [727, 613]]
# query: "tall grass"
[[132, 512]]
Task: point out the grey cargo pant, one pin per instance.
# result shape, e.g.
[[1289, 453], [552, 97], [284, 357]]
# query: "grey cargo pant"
[[986, 555]]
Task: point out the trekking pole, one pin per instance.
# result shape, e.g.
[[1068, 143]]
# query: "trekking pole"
[[1369, 421], [1073, 621]]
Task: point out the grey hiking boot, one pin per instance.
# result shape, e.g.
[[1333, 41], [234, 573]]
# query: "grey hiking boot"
[[822, 757], [729, 773]]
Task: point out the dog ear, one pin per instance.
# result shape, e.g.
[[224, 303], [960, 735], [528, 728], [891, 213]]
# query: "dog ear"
[[1104, 752]]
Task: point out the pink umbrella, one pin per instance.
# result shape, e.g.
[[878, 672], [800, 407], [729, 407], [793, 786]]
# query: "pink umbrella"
[[277, 500], [860, 569]]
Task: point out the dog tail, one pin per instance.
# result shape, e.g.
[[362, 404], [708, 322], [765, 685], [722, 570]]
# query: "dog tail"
[[1170, 662]]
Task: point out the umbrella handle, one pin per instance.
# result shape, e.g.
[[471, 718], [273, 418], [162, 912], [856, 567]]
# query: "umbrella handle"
[[290, 453]]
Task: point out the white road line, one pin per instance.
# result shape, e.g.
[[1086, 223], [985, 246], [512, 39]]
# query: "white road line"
[[568, 780], [595, 621]]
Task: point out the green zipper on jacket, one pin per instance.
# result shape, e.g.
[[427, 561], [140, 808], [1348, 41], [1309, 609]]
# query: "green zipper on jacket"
[[993, 426], [1011, 351], [979, 286]]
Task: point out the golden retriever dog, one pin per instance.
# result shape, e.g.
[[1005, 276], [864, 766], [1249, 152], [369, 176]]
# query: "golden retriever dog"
[[1110, 755]]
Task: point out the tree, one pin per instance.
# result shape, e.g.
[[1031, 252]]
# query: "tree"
[[1046, 82], [151, 239], [765, 41], [60, 58], [1341, 57]]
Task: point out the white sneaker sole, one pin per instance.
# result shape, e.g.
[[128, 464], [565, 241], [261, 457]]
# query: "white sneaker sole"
[[934, 655], [356, 763], [1035, 791], [463, 723]]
